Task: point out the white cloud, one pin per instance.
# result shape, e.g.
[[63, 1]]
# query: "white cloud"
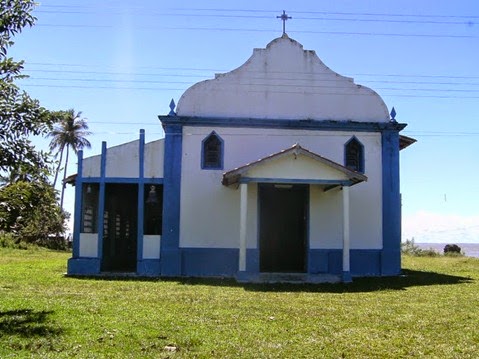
[[430, 227]]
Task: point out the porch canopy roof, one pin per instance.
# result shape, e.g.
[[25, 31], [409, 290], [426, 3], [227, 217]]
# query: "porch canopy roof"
[[294, 165]]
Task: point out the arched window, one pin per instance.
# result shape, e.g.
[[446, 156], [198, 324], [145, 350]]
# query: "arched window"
[[212, 152], [354, 155]]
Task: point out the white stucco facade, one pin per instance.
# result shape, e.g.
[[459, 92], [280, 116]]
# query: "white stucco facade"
[[279, 165], [283, 81], [122, 161], [242, 146], [154, 154]]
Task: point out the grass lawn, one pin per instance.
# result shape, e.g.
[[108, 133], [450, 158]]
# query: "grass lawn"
[[432, 311]]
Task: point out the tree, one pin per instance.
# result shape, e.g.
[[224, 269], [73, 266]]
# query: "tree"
[[69, 132], [20, 115], [30, 213]]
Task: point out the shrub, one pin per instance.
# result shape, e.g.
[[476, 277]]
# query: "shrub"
[[409, 247], [7, 240], [412, 249], [29, 213], [452, 248]]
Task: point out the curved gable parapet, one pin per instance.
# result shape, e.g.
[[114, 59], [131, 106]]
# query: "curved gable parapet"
[[283, 81]]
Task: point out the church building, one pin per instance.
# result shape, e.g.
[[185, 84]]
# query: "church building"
[[281, 169]]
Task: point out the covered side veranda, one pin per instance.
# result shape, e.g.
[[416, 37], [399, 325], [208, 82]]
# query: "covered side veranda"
[[288, 170]]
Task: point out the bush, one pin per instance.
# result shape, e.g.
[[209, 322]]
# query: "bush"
[[7, 240], [452, 250], [412, 249], [29, 213]]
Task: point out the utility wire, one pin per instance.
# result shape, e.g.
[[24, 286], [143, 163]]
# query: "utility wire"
[[177, 69], [324, 18], [347, 33], [283, 92], [259, 84], [148, 9]]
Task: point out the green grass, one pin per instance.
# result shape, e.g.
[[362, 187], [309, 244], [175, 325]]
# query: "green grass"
[[432, 311]]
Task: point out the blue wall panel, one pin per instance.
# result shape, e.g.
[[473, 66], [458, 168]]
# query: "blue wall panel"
[[391, 256], [363, 261], [252, 260], [170, 240], [148, 267], [218, 262], [83, 266]]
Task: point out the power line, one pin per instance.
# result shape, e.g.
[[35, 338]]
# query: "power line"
[[283, 92], [114, 73], [143, 67], [346, 33], [249, 16], [56, 65], [148, 9], [285, 79], [417, 134], [281, 85], [344, 13], [411, 133]]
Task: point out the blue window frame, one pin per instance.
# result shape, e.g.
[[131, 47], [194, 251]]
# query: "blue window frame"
[[354, 155], [212, 148]]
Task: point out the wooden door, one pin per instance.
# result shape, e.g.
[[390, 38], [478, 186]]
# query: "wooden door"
[[283, 227]]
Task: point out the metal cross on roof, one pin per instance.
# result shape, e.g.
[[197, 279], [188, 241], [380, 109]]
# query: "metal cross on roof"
[[284, 17]]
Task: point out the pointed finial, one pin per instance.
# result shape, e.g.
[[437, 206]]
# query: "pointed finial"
[[284, 17], [172, 108], [393, 114]]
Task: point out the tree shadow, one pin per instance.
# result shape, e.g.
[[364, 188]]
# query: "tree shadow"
[[408, 278], [27, 323]]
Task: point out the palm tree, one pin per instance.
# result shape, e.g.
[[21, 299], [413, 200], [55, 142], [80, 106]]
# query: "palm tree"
[[69, 132]]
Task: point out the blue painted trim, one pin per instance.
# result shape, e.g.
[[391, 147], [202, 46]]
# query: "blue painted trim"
[[362, 161], [204, 262], [252, 259], [294, 181], [282, 124], [247, 277], [148, 267], [391, 256], [101, 199], [141, 198], [223, 262], [222, 146], [364, 262], [170, 240], [307, 232], [346, 277], [83, 266], [207, 262], [122, 180], [78, 207]]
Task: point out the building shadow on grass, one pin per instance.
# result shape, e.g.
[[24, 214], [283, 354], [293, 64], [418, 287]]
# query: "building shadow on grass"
[[408, 278], [27, 323]]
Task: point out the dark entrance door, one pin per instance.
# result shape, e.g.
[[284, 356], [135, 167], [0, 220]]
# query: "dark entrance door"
[[120, 222], [283, 220]]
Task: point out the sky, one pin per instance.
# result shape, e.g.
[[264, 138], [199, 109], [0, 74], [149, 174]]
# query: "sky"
[[121, 62]]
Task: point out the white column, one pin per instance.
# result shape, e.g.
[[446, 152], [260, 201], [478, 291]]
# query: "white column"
[[243, 215], [346, 229]]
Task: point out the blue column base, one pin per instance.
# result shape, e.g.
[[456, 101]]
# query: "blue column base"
[[390, 262], [170, 263], [252, 260], [347, 277], [247, 277], [83, 266], [148, 268]]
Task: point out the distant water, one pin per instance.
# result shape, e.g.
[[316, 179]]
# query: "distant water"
[[470, 249]]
